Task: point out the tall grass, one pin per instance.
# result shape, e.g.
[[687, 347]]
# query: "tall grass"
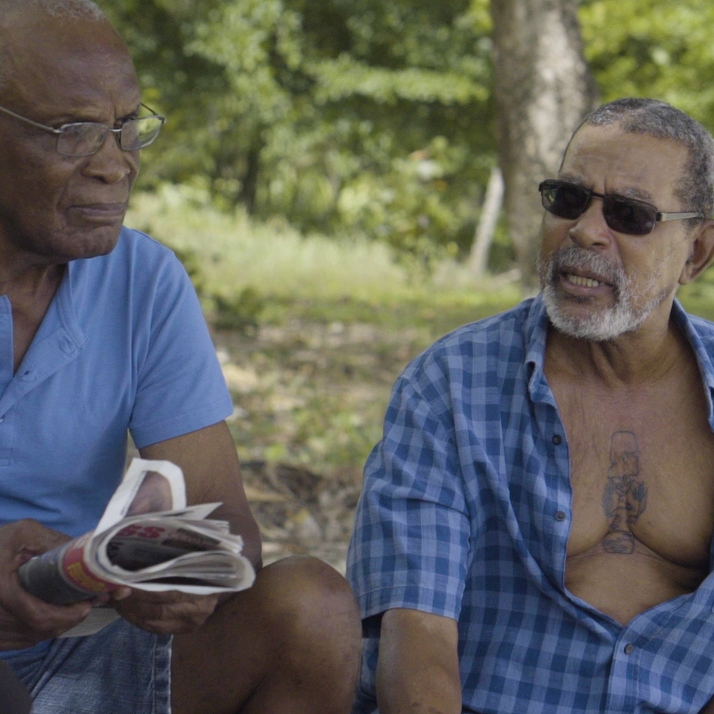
[[234, 253]]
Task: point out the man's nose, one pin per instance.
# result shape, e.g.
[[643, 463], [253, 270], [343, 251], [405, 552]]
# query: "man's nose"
[[590, 230], [110, 163]]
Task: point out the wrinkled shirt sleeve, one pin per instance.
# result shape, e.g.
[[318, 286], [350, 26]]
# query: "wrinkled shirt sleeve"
[[411, 543]]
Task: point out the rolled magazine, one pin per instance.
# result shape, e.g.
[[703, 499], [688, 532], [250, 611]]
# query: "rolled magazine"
[[147, 539]]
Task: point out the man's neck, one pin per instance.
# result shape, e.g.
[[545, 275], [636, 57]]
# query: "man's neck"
[[646, 355], [31, 285], [30, 293]]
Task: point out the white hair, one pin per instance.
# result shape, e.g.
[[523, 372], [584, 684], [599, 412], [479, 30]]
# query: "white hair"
[[71, 9], [606, 324], [67, 9]]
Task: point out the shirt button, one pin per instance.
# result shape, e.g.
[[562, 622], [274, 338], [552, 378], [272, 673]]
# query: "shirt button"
[[629, 648], [557, 439], [66, 345], [560, 515]]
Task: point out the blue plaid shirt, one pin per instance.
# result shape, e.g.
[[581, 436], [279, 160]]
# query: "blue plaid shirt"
[[466, 512]]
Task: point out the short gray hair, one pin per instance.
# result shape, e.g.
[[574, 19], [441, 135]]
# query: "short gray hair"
[[72, 9], [69, 9], [663, 121]]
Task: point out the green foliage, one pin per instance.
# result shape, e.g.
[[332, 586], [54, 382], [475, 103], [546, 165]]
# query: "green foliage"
[[265, 272], [654, 49], [371, 117], [240, 313], [343, 117]]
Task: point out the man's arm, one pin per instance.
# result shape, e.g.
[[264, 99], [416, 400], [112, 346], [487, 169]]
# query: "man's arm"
[[211, 470], [418, 667], [212, 473]]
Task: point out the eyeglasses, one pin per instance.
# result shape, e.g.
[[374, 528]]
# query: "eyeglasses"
[[624, 215], [84, 138]]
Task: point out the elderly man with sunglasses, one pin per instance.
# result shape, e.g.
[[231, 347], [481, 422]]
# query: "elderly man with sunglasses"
[[100, 333], [535, 529]]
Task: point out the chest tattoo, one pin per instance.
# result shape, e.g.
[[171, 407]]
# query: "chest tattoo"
[[625, 496]]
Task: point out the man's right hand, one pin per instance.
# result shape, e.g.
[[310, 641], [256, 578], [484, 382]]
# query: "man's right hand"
[[25, 620]]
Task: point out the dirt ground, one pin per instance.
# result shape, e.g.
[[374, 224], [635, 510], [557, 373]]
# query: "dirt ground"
[[309, 401]]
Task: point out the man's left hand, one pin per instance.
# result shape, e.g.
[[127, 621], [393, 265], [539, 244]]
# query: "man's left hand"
[[168, 613]]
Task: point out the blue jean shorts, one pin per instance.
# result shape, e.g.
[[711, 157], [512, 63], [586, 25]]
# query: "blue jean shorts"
[[119, 670]]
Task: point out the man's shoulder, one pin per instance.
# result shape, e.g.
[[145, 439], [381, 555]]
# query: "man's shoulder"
[[137, 258], [699, 330], [478, 346], [483, 336]]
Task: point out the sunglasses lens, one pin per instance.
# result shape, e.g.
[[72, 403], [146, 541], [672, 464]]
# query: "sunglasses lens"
[[565, 200], [628, 216], [625, 215]]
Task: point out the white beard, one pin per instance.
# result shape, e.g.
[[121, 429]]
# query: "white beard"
[[605, 323]]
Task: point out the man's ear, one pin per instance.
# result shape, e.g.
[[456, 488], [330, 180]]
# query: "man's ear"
[[701, 252]]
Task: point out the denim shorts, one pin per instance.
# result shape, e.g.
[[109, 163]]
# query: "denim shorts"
[[119, 670]]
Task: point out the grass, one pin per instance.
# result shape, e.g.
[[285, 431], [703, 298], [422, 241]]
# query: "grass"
[[312, 331], [314, 278]]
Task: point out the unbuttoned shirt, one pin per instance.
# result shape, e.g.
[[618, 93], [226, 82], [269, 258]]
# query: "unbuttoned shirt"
[[465, 513]]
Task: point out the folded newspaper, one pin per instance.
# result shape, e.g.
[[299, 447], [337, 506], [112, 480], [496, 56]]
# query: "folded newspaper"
[[147, 539]]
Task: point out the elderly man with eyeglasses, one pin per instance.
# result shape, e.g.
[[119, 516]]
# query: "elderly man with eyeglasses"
[[100, 333], [535, 529]]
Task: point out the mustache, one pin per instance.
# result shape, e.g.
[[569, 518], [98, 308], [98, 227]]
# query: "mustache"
[[577, 258]]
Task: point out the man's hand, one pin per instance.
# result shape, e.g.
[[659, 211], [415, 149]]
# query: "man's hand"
[[25, 620], [169, 613], [418, 666], [211, 471]]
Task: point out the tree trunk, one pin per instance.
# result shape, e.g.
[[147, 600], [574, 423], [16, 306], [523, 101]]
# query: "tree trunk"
[[249, 184], [478, 258], [543, 88]]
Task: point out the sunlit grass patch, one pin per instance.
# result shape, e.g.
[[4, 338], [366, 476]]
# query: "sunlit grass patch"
[[313, 277], [312, 330]]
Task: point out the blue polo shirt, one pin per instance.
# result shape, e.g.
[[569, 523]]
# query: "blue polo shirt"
[[123, 345], [466, 512]]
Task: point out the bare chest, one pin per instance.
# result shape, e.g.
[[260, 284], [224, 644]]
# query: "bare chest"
[[642, 475]]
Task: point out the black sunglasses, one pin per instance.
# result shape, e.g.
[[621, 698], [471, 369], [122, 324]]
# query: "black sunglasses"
[[624, 215]]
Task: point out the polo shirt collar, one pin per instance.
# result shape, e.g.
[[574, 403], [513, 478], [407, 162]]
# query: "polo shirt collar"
[[64, 300], [58, 341]]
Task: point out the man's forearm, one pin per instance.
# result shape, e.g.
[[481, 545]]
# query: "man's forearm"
[[433, 691], [418, 667], [212, 473]]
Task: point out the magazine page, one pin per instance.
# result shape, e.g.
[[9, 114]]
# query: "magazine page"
[[147, 487], [147, 539]]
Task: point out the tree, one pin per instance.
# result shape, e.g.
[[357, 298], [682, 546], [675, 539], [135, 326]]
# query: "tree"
[[542, 88], [646, 48], [345, 116]]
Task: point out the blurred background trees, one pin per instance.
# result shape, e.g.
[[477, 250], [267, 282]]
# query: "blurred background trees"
[[381, 118]]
